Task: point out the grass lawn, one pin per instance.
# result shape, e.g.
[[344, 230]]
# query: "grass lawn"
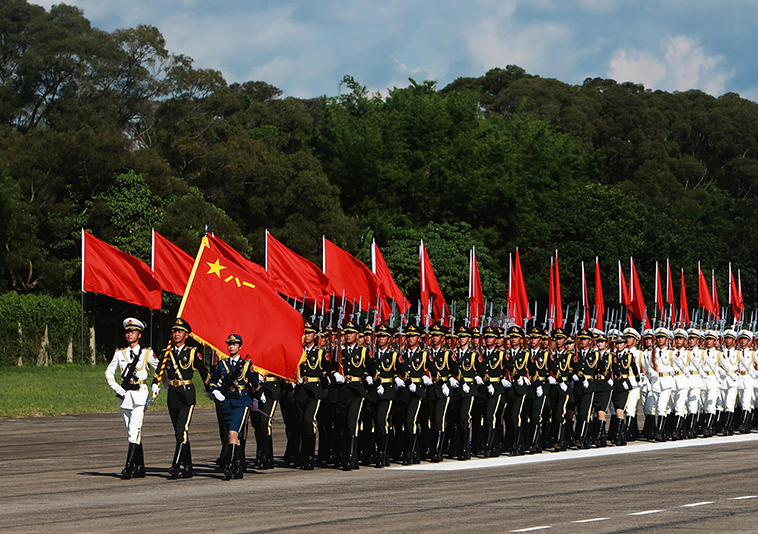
[[61, 389]]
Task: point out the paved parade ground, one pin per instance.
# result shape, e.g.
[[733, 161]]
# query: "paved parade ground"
[[62, 475]]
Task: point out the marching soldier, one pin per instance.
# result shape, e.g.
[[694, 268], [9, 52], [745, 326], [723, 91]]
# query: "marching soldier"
[[309, 393], [562, 394], [262, 421], [661, 374], [604, 385], [231, 386], [693, 370], [492, 368], [730, 358], [586, 362], [353, 367], [517, 359], [177, 367], [468, 379], [625, 378], [413, 365], [681, 383], [387, 383], [133, 361], [538, 374], [747, 374], [442, 370], [632, 337], [710, 391]]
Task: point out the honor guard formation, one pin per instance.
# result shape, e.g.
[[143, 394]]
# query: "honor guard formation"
[[371, 397]]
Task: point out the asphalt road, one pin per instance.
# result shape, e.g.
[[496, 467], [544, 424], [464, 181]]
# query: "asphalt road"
[[61, 475]]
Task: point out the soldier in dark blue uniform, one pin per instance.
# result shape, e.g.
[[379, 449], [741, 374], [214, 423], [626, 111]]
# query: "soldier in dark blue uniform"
[[231, 385], [178, 363]]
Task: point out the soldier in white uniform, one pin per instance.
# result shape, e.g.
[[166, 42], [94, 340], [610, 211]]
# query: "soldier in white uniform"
[[681, 387], [746, 374], [646, 384], [662, 370], [694, 371], [132, 391], [730, 358], [710, 378], [632, 338]]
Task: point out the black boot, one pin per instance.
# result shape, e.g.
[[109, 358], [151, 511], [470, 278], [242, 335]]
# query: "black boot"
[[624, 425], [239, 463], [231, 461], [518, 441], [187, 462], [613, 427], [139, 462], [560, 440], [660, 432], [535, 444], [410, 452], [748, 423], [437, 452], [173, 471], [602, 437], [679, 428], [729, 424], [268, 452], [620, 432], [632, 429], [126, 472], [465, 450], [243, 462], [708, 429], [585, 440], [578, 434], [648, 430], [381, 452]]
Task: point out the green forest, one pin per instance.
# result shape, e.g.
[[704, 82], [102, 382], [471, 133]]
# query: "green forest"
[[110, 132]]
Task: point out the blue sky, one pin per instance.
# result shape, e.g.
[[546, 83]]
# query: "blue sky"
[[305, 48]]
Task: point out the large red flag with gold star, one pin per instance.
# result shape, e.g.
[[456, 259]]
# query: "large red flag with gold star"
[[223, 298]]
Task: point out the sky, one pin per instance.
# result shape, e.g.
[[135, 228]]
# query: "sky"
[[305, 48]]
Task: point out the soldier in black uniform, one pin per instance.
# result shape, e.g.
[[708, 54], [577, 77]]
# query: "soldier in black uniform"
[[232, 385], [468, 377], [623, 367], [562, 394], [585, 364], [493, 367], [387, 382], [413, 366], [536, 394], [441, 368], [354, 367], [517, 359], [261, 421], [177, 367], [366, 432], [309, 393], [604, 385], [325, 417]]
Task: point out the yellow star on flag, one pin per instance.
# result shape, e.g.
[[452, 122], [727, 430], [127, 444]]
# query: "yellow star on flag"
[[215, 268]]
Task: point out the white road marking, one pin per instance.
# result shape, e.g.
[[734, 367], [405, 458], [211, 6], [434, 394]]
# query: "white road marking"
[[505, 461], [646, 512], [592, 520], [696, 504], [744, 498], [532, 528]]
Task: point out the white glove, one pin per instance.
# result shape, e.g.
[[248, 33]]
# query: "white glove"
[[539, 391], [156, 390], [262, 398], [626, 386], [399, 383], [218, 395], [687, 371], [586, 383], [563, 386], [520, 381], [551, 380], [380, 389], [753, 373], [633, 381], [453, 382], [575, 378], [299, 381], [412, 388], [369, 381], [490, 389], [722, 373], [445, 390], [478, 380], [527, 381], [610, 381], [506, 383], [119, 391], [338, 378], [466, 388], [732, 376], [653, 373], [426, 381]]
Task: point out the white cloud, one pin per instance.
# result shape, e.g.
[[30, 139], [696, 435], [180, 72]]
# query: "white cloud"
[[598, 6], [679, 64]]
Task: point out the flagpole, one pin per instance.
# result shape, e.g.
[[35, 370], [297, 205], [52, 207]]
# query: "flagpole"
[[265, 260], [82, 292]]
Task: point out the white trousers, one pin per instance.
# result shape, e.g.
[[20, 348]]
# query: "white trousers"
[[133, 421]]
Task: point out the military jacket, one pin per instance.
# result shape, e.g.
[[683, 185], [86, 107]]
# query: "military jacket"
[[245, 381], [312, 373]]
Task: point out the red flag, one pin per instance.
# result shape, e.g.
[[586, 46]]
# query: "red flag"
[[386, 284], [521, 299], [240, 260], [716, 305], [292, 275], [558, 300], [585, 300], [704, 299], [345, 272], [684, 310], [222, 298], [475, 295], [430, 289], [171, 265], [109, 271], [638, 302], [551, 293], [735, 297], [659, 293], [599, 304], [670, 292], [624, 295], [514, 310]]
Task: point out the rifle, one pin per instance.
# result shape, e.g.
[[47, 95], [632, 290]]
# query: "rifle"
[[230, 378], [428, 317], [576, 321], [489, 317], [566, 316], [127, 375], [467, 319], [321, 317], [418, 314], [341, 316], [452, 318], [392, 315]]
